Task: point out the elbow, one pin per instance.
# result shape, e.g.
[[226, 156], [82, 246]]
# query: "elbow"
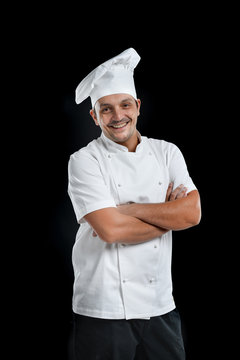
[[199, 216], [195, 220], [105, 224], [196, 215], [107, 239], [115, 231], [108, 236], [195, 212]]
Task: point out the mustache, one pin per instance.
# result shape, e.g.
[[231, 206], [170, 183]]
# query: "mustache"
[[119, 122]]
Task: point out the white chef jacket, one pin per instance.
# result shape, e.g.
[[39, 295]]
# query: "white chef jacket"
[[117, 281]]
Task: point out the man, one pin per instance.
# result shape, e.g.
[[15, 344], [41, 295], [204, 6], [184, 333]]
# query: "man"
[[128, 193]]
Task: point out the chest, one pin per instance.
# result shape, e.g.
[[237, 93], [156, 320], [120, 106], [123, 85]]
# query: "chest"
[[133, 177]]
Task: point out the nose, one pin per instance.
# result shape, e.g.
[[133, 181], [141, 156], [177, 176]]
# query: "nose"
[[117, 114]]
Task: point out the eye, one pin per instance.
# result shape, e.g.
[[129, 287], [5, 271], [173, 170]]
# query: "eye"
[[106, 109], [126, 105]]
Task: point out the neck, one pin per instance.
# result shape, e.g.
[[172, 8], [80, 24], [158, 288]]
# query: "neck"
[[131, 143]]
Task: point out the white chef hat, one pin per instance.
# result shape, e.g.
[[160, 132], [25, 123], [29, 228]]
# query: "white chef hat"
[[114, 76]]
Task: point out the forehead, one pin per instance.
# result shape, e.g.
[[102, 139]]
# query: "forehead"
[[114, 99]]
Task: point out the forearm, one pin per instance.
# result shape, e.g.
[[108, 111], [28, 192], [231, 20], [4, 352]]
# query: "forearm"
[[114, 227], [172, 215], [161, 214], [131, 230]]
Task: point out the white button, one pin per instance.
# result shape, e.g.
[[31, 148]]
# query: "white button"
[[109, 156], [124, 281], [159, 183], [155, 246], [119, 185]]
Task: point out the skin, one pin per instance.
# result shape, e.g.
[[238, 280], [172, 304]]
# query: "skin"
[[185, 212], [136, 223], [116, 110]]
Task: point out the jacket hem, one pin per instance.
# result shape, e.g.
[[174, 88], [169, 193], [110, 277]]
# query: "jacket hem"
[[120, 316]]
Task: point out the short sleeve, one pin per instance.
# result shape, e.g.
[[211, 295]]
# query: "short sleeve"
[[178, 171], [86, 186]]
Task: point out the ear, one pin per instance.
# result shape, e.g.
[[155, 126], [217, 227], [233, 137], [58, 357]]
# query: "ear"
[[93, 115], [139, 105]]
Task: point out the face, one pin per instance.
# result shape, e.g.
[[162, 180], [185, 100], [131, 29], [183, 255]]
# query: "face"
[[117, 116]]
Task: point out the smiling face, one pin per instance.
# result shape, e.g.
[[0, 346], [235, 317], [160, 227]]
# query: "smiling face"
[[117, 117]]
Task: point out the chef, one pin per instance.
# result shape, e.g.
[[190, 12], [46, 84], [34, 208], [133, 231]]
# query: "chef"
[[129, 193]]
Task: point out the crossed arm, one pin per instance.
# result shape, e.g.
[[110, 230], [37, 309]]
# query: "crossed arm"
[[137, 223], [179, 212]]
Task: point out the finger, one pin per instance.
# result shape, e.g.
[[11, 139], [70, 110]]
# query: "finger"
[[185, 192], [176, 192], [182, 193], [169, 190]]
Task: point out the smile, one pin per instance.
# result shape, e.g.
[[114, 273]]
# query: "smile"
[[120, 126]]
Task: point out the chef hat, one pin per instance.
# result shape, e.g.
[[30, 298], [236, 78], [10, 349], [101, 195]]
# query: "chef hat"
[[114, 76]]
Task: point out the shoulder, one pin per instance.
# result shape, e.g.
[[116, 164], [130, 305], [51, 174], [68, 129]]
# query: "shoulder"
[[163, 146], [86, 158], [165, 151], [89, 151]]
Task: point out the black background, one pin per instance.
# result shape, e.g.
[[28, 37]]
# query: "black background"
[[181, 81]]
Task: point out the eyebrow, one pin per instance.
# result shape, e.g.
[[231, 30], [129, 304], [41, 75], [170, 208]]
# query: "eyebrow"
[[122, 101], [127, 99], [103, 105]]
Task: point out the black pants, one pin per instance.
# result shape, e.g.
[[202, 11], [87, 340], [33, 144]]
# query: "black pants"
[[159, 338]]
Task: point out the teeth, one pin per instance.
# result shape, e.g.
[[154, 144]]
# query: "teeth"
[[119, 126]]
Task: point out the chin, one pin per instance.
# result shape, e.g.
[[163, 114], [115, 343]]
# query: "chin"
[[121, 138]]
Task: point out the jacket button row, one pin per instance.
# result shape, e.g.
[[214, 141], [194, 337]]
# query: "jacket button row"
[[151, 281]]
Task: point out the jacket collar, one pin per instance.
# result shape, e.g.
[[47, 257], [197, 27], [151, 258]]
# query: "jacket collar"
[[113, 147]]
